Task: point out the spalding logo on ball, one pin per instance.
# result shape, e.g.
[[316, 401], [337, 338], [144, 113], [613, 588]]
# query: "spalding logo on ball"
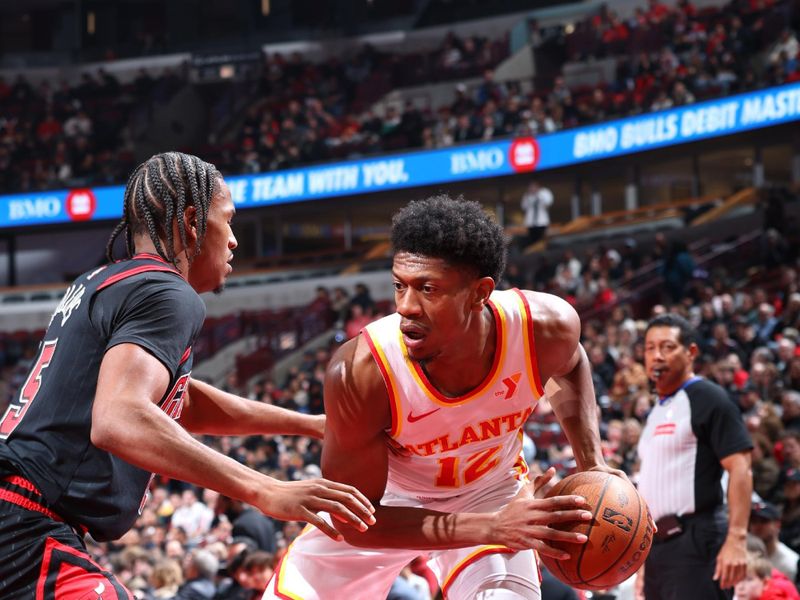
[[620, 532]]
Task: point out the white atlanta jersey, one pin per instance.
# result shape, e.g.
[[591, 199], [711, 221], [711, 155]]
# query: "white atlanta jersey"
[[454, 445]]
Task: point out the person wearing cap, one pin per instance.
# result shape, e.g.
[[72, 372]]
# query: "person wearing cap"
[[765, 524], [693, 433]]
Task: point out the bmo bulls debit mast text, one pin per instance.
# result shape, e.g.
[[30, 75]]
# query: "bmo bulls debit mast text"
[[687, 124]]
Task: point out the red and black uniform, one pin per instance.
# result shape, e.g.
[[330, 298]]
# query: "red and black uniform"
[[54, 484]]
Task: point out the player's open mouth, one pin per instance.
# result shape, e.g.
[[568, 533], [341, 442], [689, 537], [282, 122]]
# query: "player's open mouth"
[[413, 336], [658, 372]]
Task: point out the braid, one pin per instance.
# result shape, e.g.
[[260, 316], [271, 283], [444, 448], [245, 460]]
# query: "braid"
[[166, 210], [158, 192], [187, 166], [146, 209]]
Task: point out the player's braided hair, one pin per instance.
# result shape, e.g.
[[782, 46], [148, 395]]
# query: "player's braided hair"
[[158, 192], [458, 231]]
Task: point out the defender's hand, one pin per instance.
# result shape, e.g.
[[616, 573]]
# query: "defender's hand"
[[302, 500]]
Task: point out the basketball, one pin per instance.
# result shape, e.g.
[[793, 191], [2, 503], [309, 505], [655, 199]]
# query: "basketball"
[[620, 533]]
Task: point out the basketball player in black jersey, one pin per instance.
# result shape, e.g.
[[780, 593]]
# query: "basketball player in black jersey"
[[110, 398]]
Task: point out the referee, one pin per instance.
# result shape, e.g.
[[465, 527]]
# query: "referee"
[[692, 434]]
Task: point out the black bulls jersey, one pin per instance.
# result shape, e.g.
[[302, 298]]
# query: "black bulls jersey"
[[46, 432]]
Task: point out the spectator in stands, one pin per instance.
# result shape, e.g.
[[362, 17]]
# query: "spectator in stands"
[[790, 415], [357, 321], [78, 125], [536, 203], [490, 89], [166, 578], [765, 321], [363, 298], [765, 524], [192, 516], [762, 582], [785, 46], [201, 569], [790, 517], [630, 378], [677, 270], [766, 471], [255, 573]]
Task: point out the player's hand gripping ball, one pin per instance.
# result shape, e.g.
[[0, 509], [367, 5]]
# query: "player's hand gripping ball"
[[620, 532]]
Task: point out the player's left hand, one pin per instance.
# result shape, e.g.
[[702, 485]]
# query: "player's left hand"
[[731, 563], [604, 468]]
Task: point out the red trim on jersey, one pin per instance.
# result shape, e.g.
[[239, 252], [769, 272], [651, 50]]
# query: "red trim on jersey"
[[19, 500], [278, 592], [394, 400], [472, 558], [531, 338], [125, 274], [287, 595], [22, 482], [150, 255], [498, 325], [28, 504], [187, 353]]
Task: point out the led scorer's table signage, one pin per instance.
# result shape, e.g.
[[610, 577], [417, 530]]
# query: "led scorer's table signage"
[[695, 122]]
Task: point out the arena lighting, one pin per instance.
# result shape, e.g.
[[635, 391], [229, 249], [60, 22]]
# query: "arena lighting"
[[265, 7], [91, 22], [610, 139]]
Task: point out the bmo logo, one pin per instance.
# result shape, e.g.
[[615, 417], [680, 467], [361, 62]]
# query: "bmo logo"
[[81, 205], [34, 208], [524, 154]]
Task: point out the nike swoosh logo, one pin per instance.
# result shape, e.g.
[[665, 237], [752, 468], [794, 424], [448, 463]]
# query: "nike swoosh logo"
[[412, 418]]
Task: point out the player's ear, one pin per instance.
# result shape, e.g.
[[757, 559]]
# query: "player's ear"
[[483, 289], [190, 224]]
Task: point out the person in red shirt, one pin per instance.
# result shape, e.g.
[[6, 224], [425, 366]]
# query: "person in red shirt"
[[762, 582]]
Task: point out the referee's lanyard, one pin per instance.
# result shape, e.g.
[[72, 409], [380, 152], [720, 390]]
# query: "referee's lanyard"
[[687, 383]]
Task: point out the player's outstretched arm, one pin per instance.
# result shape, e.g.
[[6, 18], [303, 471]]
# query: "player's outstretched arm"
[[127, 422], [356, 452], [210, 411], [565, 368]]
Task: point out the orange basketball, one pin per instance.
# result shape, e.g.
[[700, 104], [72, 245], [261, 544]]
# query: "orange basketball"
[[620, 533]]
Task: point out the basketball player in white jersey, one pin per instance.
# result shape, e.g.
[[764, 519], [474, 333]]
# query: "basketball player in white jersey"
[[425, 415]]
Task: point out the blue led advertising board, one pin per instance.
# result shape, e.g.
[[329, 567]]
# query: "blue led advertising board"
[[704, 120]]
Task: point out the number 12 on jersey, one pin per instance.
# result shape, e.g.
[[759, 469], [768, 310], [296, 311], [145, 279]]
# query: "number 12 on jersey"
[[16, 412], [477, 465]]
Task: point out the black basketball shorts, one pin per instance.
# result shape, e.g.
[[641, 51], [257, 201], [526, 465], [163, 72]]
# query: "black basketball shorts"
[[43, 558]]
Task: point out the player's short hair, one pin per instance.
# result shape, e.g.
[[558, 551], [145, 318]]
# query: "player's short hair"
[[686, 333], [157, 194], [455, 230]]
